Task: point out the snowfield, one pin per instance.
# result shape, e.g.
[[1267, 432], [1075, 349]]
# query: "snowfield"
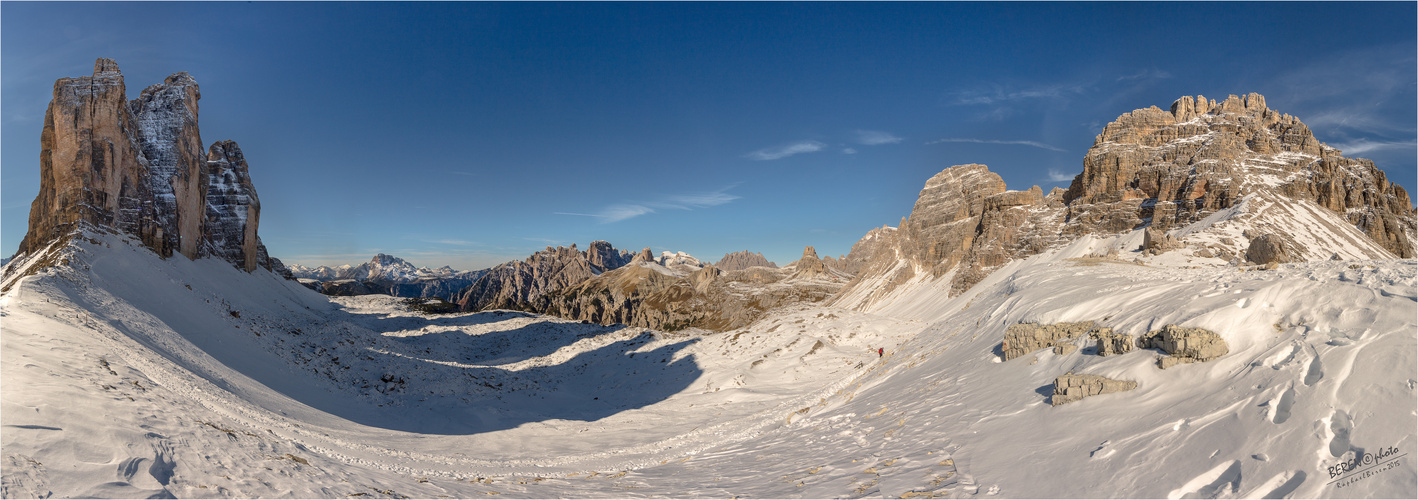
[[126, 375]]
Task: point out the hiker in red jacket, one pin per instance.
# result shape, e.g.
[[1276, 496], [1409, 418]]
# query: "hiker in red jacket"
[[879, 352]]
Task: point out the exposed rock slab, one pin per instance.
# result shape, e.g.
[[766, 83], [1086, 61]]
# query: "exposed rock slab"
[[1070, 387]]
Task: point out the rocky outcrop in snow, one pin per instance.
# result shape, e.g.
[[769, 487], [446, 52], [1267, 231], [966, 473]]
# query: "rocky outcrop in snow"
[[876, 241], [138, 167], [1024, 338], [1184, 345], [165, 120], [1110, 343]]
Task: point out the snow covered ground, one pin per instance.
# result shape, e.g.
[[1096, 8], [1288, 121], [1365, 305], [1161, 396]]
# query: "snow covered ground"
[[125, 375]]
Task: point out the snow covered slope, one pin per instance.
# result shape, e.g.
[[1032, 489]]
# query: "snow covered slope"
[[129, 375], [126, 375]]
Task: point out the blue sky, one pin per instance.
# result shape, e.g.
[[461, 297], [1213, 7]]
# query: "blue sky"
[[470, 134]]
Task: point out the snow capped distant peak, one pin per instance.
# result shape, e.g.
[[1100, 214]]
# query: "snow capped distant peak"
[[668, 258]]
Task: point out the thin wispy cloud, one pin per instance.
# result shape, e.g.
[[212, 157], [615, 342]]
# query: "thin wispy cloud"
[[849, 151], [1000, 95], [875, 137], [692, 201], [614, 213], [1034, 144], [1146, 74], [1057, 176], [1362, 146], [460, 243], [786, 151], [622, 211]]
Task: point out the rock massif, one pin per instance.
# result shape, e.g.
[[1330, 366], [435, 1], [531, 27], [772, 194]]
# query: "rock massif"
[[1172, 168], [1262, 174], [138, 167], [738, 261], [517, 284]]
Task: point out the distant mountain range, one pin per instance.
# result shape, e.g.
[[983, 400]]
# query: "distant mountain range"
[[382, 267]]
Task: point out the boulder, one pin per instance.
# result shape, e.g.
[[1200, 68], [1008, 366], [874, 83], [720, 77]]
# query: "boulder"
[[1268, 249], [1156, 241]]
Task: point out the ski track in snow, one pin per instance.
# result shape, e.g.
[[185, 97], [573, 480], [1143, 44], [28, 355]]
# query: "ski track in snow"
[[125, 375]]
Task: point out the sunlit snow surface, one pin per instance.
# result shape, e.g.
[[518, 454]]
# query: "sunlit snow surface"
[[118, 380]]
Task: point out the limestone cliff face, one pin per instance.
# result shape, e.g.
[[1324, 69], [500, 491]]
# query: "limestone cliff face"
[[138, 167], [90, 167], [1159, 170]]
